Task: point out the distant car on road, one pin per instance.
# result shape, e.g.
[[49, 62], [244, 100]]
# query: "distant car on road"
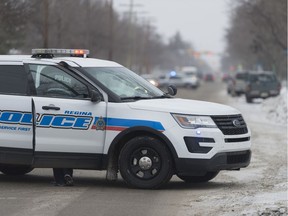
[[170, 79], [209, 77], [239, 83], [261, 85], [190, 76], [230, 86], [179, 80], [226, 77], [150, 78]]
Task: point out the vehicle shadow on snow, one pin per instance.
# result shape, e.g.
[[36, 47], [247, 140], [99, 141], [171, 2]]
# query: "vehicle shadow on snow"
[[33, 180], [180, 185]]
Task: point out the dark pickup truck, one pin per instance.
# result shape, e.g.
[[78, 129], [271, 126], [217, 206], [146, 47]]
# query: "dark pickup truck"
[[261, 85]]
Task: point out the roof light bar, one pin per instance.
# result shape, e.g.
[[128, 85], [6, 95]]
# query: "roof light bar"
[[71, 52]]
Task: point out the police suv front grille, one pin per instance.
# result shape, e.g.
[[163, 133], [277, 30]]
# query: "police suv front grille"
[[231, 125]]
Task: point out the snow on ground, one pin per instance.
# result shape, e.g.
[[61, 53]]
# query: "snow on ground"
[[267, 120], [276, 108], [272, 110]]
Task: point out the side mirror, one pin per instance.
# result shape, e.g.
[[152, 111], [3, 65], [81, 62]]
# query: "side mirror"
[[95, 96], [172, 90]]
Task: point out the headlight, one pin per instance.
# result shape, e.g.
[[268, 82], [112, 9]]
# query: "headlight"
[[194, 79], [191, 121], [153, 82]]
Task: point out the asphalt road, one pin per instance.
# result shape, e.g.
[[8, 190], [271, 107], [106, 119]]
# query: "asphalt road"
[[33, 195]]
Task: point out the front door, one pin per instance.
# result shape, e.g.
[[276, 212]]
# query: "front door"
[[70, 128]]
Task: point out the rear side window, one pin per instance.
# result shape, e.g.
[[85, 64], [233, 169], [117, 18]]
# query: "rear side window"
[[13, 80], [241, 76]]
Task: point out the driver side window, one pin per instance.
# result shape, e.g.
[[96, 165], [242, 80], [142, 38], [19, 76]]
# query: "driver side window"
[[50, 81]]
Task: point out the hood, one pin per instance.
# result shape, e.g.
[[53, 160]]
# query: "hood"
[[183, 106]]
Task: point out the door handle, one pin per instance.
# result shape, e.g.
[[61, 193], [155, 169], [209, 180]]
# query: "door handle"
[[50, 107]]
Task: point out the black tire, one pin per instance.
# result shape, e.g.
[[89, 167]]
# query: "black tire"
[[248, 99], [233, 93], [199, 179], [145, 162], [15, 170]]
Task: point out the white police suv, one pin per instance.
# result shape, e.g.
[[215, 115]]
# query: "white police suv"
[[84, 113]]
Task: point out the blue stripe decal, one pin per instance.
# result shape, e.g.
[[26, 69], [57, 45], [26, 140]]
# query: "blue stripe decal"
[[127, 123]]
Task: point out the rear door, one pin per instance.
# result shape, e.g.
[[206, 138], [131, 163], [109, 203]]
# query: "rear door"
[[70, 128], [16, 128]]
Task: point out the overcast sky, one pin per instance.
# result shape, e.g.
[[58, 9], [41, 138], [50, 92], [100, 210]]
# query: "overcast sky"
[[201, 22]]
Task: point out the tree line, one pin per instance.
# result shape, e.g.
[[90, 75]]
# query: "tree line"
[[257, 37], [93, 25]]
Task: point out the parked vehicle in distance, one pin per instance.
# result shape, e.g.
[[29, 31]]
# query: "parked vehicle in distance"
[[230, 86], [150, 78], [181, 80], [190, 77], [261, 85], [170, 79], [226, 77], [209, 77], [190, 80], [239, 83]]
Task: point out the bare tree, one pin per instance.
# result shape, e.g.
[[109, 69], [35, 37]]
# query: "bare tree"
[[12, 21], [28, 24], [258, 36]]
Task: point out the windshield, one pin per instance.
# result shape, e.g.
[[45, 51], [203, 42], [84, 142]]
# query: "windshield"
[[190, 73], [124, 83]]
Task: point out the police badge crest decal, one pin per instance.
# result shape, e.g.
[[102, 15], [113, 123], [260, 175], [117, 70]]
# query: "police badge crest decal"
[[100, 124]]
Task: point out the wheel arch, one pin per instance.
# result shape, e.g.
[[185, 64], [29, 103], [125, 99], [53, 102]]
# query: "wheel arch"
[[119, 141]]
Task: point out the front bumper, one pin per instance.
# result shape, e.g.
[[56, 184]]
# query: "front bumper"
[[220, 161], [262, 94]]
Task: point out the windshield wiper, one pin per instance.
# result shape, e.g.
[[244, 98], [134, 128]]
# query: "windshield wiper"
[[135, 98], [162, 96], [146, 98]]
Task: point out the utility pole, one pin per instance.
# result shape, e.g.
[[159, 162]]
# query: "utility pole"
[[148, 26], [130, 54], [130, 49], [88, 28], [111, 31], [46, 24], [146, 47]]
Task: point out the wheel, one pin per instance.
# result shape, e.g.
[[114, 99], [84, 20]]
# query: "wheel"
[[248, 99], [15, 170], [145, 162], [198, 179], [233, 93]]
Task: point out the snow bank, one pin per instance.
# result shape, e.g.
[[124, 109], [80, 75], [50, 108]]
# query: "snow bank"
[[272, 109], [276, 108]]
